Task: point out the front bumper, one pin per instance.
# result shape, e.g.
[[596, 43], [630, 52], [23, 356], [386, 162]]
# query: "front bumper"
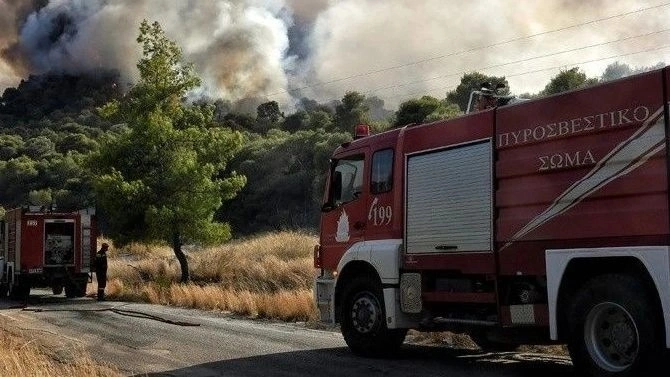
[[324, 296]]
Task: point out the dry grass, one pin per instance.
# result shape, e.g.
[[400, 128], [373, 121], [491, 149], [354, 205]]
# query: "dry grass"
[[463, 341], [268, 276], [445, 338], [22, 357], [558, 349]]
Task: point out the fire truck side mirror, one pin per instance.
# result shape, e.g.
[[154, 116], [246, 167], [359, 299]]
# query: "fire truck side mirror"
[[336, 187], [327, 207], [335, 192]]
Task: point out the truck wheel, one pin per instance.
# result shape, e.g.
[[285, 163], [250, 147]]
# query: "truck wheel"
[[71, 290], [81, 288], [57, 289], [615, 328], [363, 322], [75, 289], [4, 286], [19, 292]]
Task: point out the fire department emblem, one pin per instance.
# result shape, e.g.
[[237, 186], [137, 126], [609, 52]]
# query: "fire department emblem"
[[342, 234]]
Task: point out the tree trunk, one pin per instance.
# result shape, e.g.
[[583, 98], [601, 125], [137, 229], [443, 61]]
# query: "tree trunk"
[[181, 257]]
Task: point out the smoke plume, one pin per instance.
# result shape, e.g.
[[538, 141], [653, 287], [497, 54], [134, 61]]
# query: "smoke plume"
[[238, 47], [12, 16], [286, 49], [357, 36]]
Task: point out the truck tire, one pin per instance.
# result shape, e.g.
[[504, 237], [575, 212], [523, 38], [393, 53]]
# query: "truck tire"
[[81, 288], [71, 290], [363, 322], [19, 292], [615, 329], [4, 285], [75, 289]]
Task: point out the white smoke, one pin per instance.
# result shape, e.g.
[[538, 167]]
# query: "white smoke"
[[358, 36], [307, 11], [278, 49]]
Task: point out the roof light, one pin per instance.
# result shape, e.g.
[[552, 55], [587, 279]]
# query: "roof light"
[[361, 130]]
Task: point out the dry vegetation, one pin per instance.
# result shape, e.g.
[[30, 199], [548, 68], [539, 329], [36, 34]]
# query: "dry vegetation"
[[463, 341], [268, 276], [22, 357], [444, 338]]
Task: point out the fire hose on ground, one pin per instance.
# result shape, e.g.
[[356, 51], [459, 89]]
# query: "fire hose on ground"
[[119, 311]]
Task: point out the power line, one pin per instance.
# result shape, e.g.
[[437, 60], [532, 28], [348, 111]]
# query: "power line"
[[590, 61], [372, 91], [536, 70], [518, 61], [495, 44]]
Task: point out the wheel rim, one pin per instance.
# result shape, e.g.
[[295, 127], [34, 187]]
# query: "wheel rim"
[[365, 313], [611, 337]]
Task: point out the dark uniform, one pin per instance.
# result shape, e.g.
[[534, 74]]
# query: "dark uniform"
[[101, 270]]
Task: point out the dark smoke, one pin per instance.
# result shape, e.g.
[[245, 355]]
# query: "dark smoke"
[[270, 48], [13, 15], [239, 47]]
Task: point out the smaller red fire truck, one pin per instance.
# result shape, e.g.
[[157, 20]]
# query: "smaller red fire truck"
[[41, 248]]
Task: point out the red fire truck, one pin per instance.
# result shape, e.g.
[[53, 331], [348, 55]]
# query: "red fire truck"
[[546, 221], [41, 248]]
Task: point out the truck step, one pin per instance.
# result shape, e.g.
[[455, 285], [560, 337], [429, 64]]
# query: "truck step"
[[453, 323], [469, 297]]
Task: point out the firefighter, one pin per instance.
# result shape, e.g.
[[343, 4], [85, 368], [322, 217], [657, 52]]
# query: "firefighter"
[[101, 270], [486, 100]]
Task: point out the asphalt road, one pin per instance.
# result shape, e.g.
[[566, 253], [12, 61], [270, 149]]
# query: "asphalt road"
[[161, 341]]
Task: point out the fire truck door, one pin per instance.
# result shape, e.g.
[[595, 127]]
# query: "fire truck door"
[[344, 220]]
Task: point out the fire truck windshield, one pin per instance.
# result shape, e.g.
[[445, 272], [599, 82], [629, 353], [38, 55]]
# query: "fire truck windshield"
[[349, 172]]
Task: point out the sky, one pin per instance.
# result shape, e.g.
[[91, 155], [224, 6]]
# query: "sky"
[[287, 49]]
